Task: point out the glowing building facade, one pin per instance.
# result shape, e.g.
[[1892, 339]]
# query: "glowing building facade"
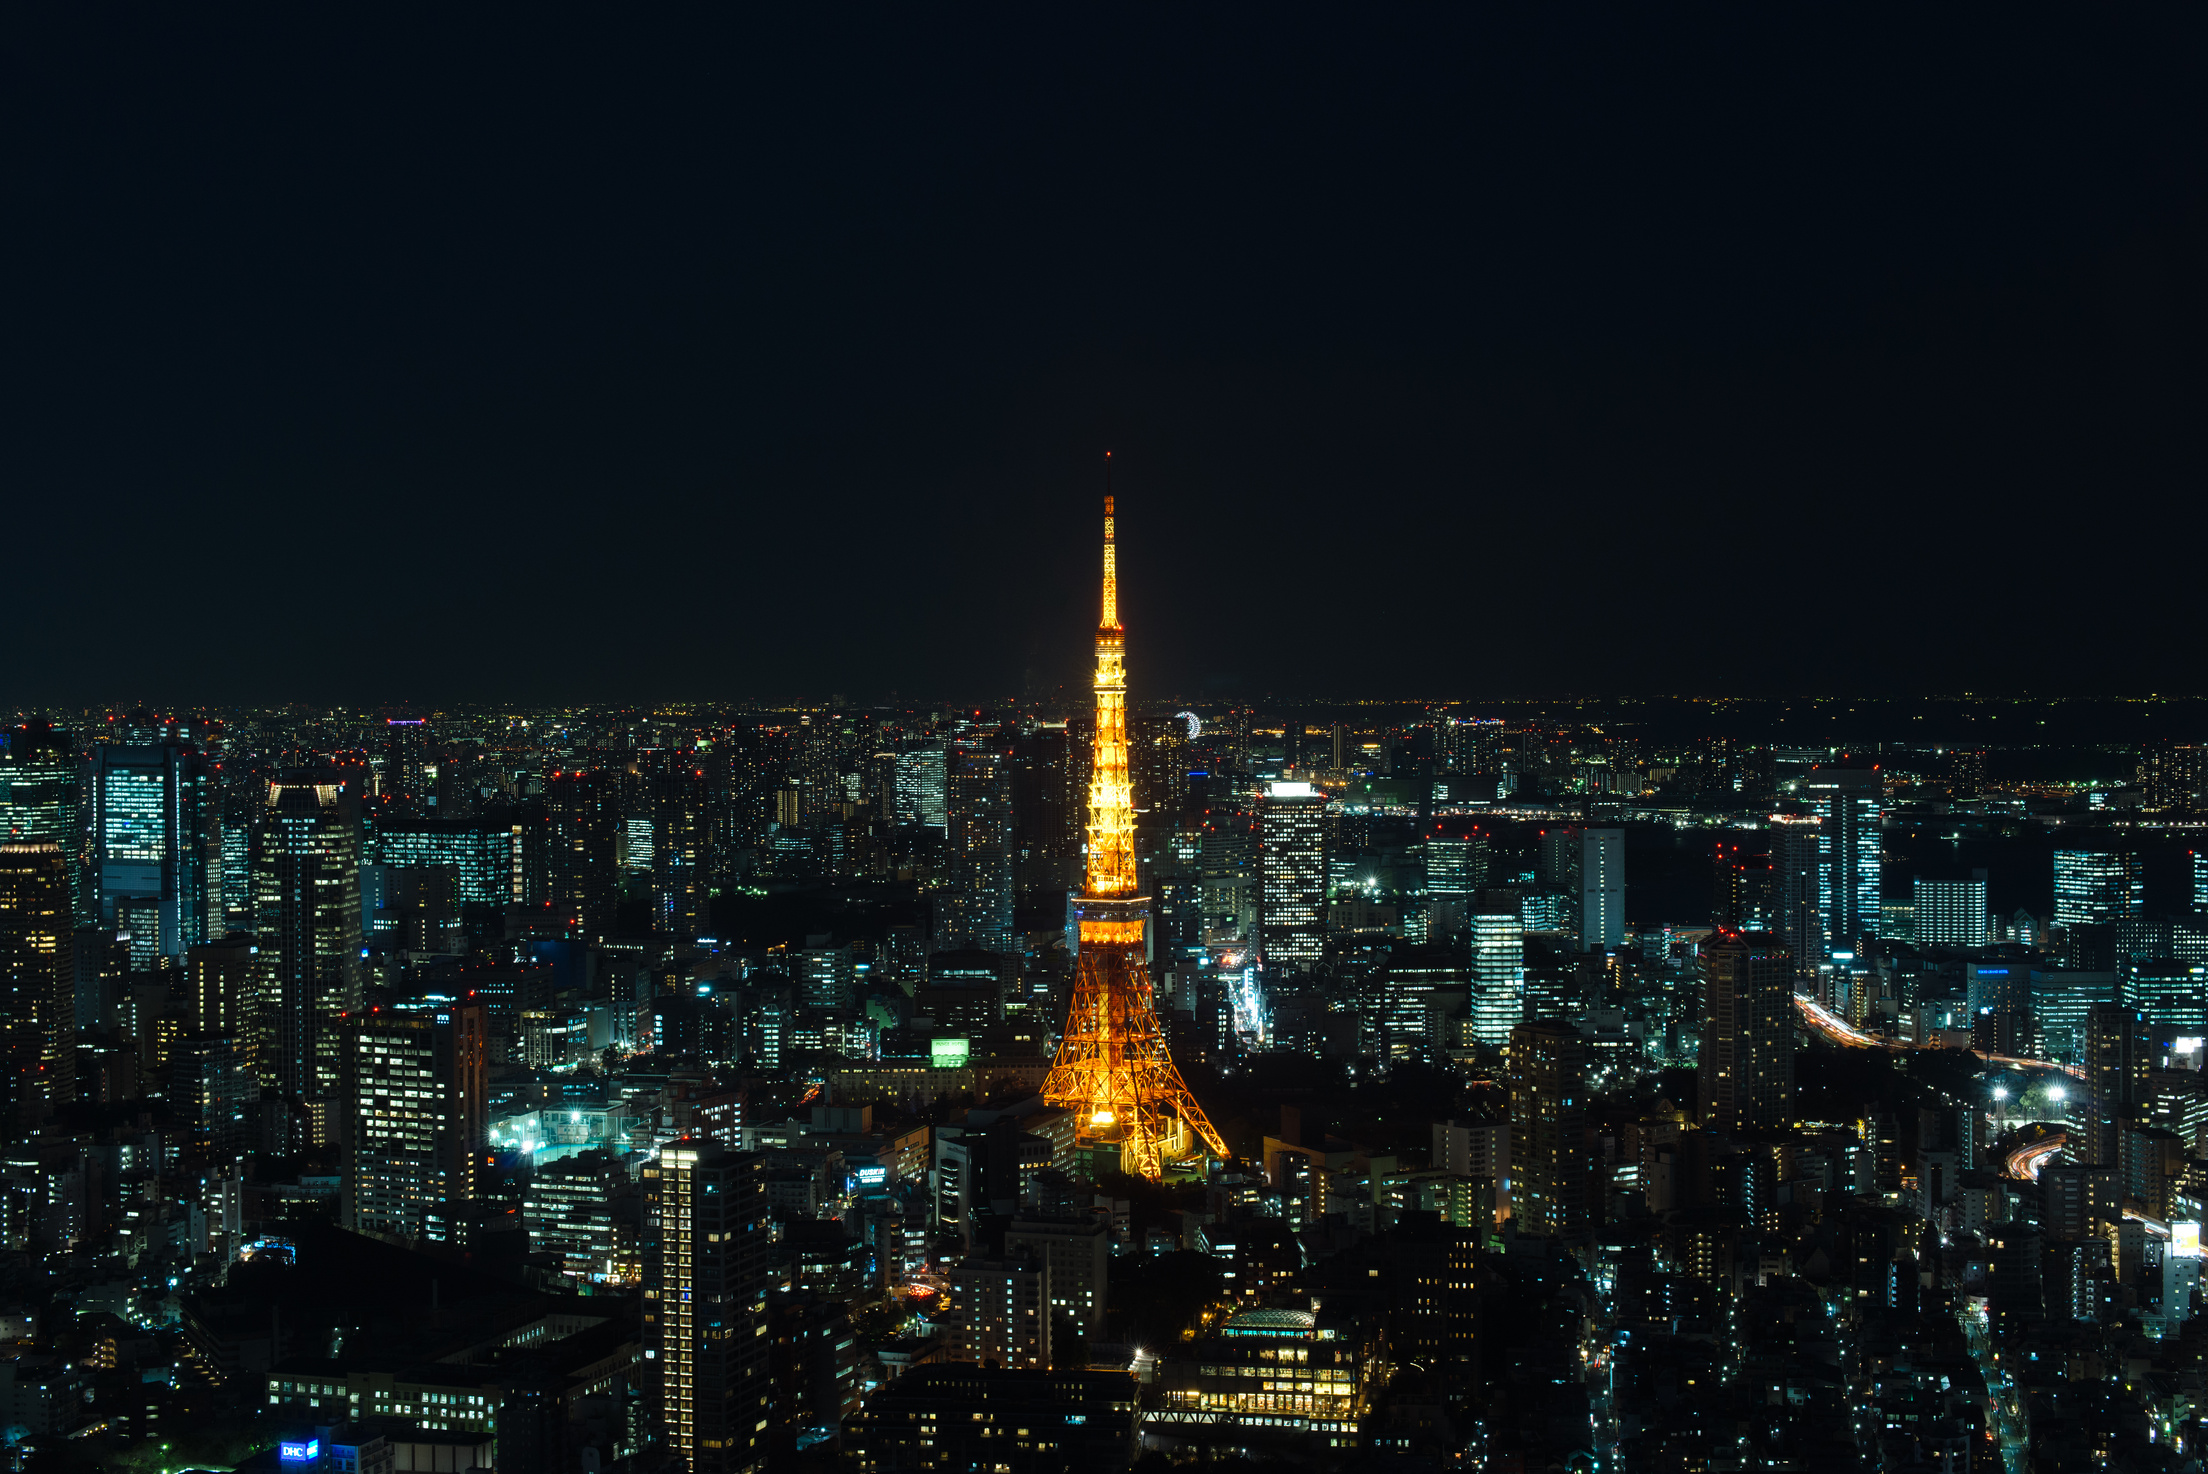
[[1113, 1070], [705, 1304], [1292, 877]]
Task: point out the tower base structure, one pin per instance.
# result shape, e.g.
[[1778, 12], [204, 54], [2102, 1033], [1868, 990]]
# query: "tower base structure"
[[1113, 1070]]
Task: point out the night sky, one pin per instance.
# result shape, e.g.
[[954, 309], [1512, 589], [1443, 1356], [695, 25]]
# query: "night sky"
[[1510, 349]]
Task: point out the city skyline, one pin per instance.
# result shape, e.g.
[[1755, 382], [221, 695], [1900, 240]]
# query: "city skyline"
[[1600, 863]]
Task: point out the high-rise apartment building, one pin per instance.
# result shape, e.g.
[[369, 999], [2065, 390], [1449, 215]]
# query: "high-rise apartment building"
[[1951, 913], [1551, 1164], [37, 979], [705, 1304], [977, 896], [1746, 1076], [2170, 776], [1077, 1252], [306, 911], [1601, 889], [1000, 1313], [1292, 876], [415, 1113], [922, 786], [1850, 803], [2096, 886], [149, 834]]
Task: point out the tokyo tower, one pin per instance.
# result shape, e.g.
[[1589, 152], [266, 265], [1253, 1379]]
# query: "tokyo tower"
[[1112, 1070]]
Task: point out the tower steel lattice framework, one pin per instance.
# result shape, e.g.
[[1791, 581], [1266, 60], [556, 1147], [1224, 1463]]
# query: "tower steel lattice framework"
[[1113, 1070]]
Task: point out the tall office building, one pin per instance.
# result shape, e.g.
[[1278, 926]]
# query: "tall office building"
[[977, 899], [1292, 877], [2118, 1056], [1551, 1163], [1046, 819], [1951, 913], [1601, 889], [40, 799], [221, 994], [37, 979], [1558, 857], [1850, 803], [705, 1294], [582, 841], [2094, 886], [1744, 889], [416, 1119], [1799, 885], [1456, 869], [1746, 1075], [486, 853], [306, 909], [149, 833], [1498, 966], [681, 834]]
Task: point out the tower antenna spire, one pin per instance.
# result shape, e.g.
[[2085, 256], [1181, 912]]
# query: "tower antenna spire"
[[1111, 554]]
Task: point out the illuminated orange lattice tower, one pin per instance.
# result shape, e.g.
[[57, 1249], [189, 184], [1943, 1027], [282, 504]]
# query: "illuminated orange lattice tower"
[[1113, 1070]]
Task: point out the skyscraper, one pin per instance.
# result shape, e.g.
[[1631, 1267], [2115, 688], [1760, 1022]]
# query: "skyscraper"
[[2117, 1058], [705, 1304], [1801, 882], [1046, 822], [1850, 801], [1746, 1076], [1498, 970], [1456, 866], [581, 846], [306, 908], [1601, 889], [1292, 877], [681, 832], [2093, 886], [415, 1113], [1551, 1166], [922, 786], [40, 798], [485, 852], [37, 981], [978, 897], [1744, 890], [149, 831], [1951, 913]]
